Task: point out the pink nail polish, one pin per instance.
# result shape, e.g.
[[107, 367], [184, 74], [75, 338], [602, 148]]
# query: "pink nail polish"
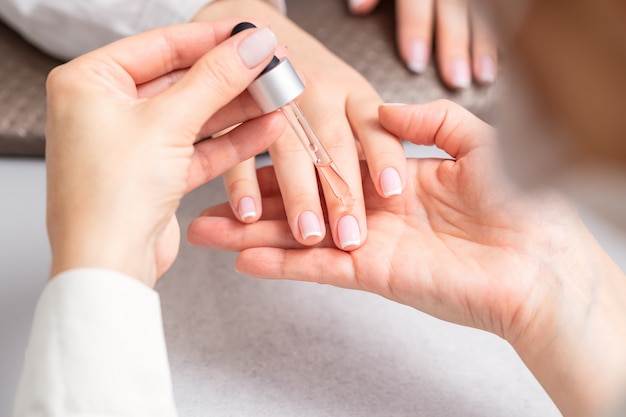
[[487, 70], [348, 232], [418, 57], [309, 225], [390, 182], [257, 47], [355, 4], [246, 208], [461, 77]]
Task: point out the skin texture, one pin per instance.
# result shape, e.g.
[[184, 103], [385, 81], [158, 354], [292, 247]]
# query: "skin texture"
[[464, 44], [464, 245], [120, 142], [341, 106]]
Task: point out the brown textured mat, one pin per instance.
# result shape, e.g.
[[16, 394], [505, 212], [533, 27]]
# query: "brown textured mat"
[[364, 42], [23, 71]]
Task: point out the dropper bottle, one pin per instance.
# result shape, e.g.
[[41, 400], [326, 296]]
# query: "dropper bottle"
[[276, 88]]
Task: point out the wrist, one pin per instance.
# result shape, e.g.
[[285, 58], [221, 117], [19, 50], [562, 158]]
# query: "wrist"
[[574, 340], [86, 246]]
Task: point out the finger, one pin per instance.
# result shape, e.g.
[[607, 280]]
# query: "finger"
[[273, 209], [268, 182], [362, 6], [237, 111], [484, 49], [297, 180], [323, 265], [157, 52], [441, 123], [228, 234], [453, 43], [347, 222], [217, 78], [414, 20], [236, 146], [243, 191], [384, 152], [158, 85]]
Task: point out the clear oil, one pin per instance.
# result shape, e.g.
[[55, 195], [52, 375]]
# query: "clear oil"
[[324, 164]]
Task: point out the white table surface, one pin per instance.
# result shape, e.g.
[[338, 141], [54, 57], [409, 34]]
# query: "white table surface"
[[245, 347]]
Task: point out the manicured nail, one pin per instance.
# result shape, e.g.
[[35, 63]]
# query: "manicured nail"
[[418, 57], [309, 225], [390, 182], [487, 70], [461, 76], [348, 232], [246, 208], [257, 46], [355, 4]]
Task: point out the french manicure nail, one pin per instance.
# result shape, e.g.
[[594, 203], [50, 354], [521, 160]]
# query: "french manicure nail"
[[461, 77], [257, 47], [355, 4], [246, 208], [487, 70], [418, 57], [309, 225], [348, 232], [390, 182]]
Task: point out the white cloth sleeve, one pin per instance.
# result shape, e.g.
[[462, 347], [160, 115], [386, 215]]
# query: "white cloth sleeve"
[[68, 28], [96, 348]]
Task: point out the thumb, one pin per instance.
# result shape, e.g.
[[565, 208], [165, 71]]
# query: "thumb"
[[442, 123], [218, 77]]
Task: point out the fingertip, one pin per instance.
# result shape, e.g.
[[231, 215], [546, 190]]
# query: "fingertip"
[[247, 210], [257, 47], [193, 234], [310, 228], [390, 182], [417, 56], [485, 70], [349, 233], [459, 76], [361, 6], [388, 112]]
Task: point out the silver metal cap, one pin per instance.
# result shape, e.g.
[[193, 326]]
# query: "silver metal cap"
[[277, 87]]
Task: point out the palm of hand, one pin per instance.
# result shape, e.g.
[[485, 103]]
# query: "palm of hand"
[[459, 243], [447, 246]]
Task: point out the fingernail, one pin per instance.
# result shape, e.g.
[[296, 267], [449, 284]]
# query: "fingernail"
[[390, 182], [348, 232], [461, 77], [257, 46], [246, 208], [309, 225], [418, 57], [355, 4], [487, 70]]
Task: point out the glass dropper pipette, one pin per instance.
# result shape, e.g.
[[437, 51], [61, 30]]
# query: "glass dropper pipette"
[[276, 88]]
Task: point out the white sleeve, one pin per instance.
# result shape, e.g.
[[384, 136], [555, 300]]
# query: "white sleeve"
[[96, 348], [68, 28]]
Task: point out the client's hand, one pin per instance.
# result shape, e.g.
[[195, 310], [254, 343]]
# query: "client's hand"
[[465, 246], [464, 43], [343, 109], [121, 140]]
